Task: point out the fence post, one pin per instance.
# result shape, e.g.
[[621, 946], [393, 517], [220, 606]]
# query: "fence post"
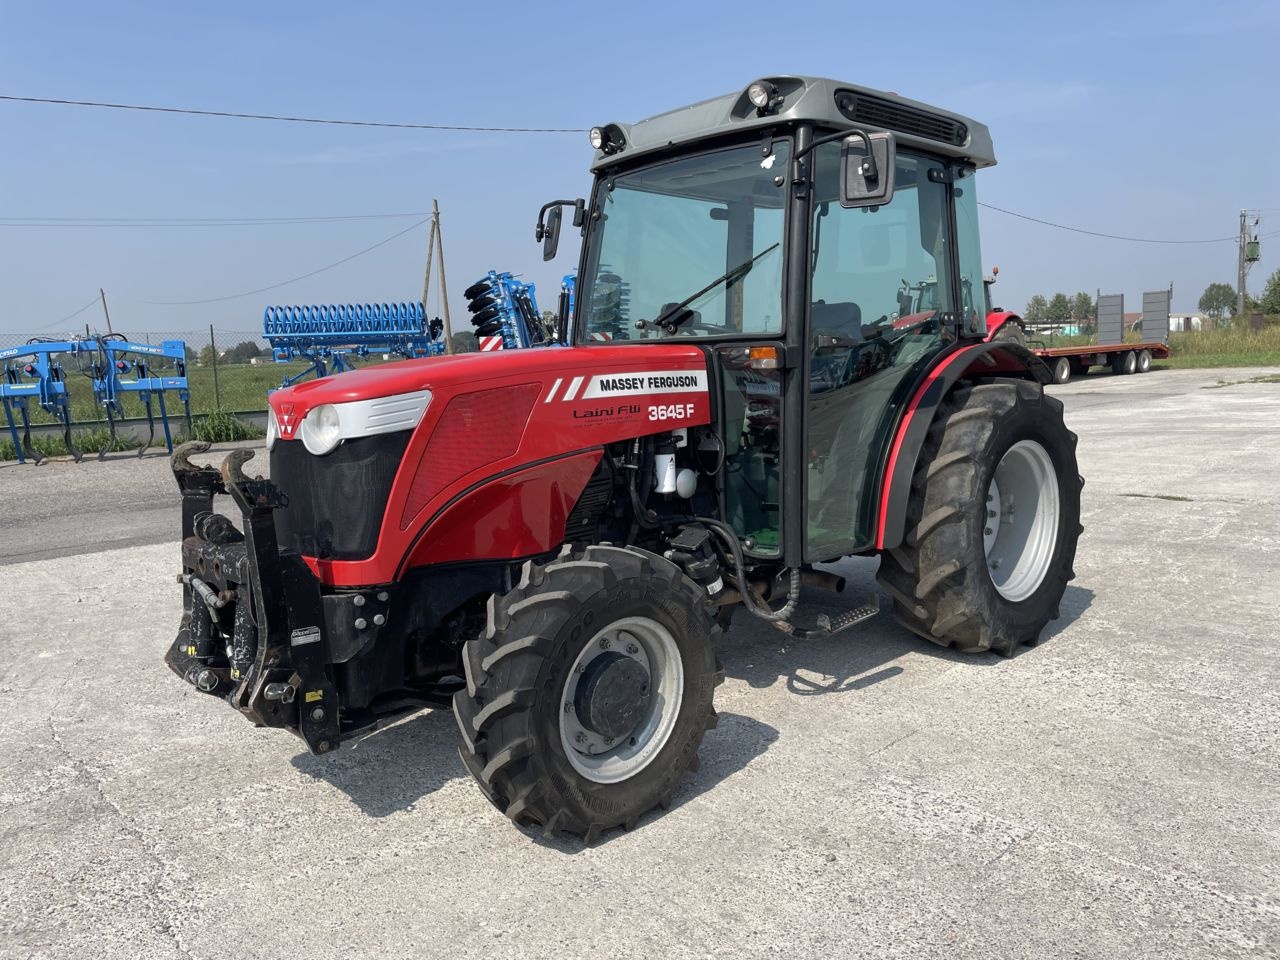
[[217, 392]]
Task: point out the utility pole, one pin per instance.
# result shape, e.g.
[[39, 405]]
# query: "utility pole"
[[1248, 255], [104, 309], [435, 248]]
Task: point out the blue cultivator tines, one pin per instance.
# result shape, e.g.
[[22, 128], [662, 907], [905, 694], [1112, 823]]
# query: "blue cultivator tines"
[[328, 336], [32, 371], [125, 368], [505, 313]]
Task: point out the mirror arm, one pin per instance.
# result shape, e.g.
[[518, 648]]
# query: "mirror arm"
[[868, 164], [541, 230]]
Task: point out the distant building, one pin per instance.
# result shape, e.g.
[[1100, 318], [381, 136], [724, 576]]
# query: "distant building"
[[1185, 322]]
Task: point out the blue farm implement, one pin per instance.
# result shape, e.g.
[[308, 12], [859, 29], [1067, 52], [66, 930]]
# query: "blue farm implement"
[[115, 368], [147, 372], [328, 336], [33, 372], [504, 312]]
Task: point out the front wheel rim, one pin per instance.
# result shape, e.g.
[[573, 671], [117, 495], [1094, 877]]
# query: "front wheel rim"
[[1020, 531], [603, 760]]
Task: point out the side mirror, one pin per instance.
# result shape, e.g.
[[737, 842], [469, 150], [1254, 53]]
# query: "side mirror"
[[551, 233], [549, 217], [867, 164]]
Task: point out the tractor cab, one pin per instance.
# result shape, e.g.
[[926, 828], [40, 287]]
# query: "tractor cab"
[[818, 290]]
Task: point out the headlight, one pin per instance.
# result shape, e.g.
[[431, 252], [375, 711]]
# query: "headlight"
[[763, 96], [329, 424], [322, 430], [273, 428], [597, 138]]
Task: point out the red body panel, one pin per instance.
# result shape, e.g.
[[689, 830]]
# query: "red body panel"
[[998, 319], [516, 515], [585, 398]]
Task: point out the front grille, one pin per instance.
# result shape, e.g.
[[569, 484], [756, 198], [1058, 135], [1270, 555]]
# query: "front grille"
[[336, 502], [899, 117]]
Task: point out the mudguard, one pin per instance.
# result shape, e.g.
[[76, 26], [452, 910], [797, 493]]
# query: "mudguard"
[[992, 358]]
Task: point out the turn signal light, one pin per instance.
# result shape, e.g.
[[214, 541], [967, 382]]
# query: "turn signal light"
[[763, 358]]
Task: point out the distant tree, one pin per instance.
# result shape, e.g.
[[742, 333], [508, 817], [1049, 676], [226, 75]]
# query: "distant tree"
[[1059, 308], [1270, 302], [242, 352], [1082, 308], [207, 356], [1037, 307], [1217, 300], [192, 356]]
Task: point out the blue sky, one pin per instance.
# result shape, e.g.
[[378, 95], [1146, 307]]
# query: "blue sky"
[[1149, 119]]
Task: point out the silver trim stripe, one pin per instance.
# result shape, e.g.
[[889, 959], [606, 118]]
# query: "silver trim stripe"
[[629, 384]]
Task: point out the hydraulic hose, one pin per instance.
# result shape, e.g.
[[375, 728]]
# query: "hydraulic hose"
[[753, 603]]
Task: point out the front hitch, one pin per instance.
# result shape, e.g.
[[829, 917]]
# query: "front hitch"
[[261, 643]]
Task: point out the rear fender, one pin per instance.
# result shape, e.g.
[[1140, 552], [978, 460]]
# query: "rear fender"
[[993, 358]]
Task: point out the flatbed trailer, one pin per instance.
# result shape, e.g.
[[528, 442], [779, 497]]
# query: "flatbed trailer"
[[1068, 362]]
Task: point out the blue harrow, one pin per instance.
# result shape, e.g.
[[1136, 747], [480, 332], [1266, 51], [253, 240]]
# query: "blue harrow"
[[504, 312], [116, 367], [125, 368], [329, 336]]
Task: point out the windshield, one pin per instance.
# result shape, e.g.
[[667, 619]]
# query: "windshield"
[[689, 248]]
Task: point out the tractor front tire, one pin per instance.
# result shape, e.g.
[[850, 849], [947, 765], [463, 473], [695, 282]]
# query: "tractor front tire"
[[590, 690], [992, 523]]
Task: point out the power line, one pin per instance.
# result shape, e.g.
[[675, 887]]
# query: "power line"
[[1094, 233], [196, 221], [283, 283], [290, 119], [69, 316]]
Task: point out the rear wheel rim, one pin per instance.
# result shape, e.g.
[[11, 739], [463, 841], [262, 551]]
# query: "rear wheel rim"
[[1020, 531], [609, 761]]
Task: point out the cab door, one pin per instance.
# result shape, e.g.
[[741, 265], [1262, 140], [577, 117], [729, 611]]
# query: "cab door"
[[883, 304]]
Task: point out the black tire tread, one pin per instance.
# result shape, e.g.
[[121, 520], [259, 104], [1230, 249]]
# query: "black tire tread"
[[930, 577], [502, 663]]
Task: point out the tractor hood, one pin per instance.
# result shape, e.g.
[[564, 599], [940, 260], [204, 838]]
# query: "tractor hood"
[[580, 371]]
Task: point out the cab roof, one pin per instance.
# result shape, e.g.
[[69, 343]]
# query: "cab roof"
[[817, 100]]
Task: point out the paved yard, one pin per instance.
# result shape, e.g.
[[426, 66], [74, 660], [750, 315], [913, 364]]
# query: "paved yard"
[[1114, 792]]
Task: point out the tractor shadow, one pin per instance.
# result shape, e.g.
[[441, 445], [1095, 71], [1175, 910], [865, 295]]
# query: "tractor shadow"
[[866, 654], [391, 769], [730, 747]]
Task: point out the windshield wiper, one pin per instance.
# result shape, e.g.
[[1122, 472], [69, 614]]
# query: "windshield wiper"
[[667, 319]]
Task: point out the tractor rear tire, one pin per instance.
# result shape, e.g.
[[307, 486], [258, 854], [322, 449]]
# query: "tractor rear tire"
[[1011, 332], [939, 579], [541, 752]]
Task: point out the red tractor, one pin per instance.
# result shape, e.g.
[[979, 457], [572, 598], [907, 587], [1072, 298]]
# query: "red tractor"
[[551, 542]]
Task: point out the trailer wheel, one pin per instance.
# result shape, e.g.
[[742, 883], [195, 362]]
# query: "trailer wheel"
[[1061, 370], [590, 690], [1126, 362], [992, 523], [1144, 361]]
